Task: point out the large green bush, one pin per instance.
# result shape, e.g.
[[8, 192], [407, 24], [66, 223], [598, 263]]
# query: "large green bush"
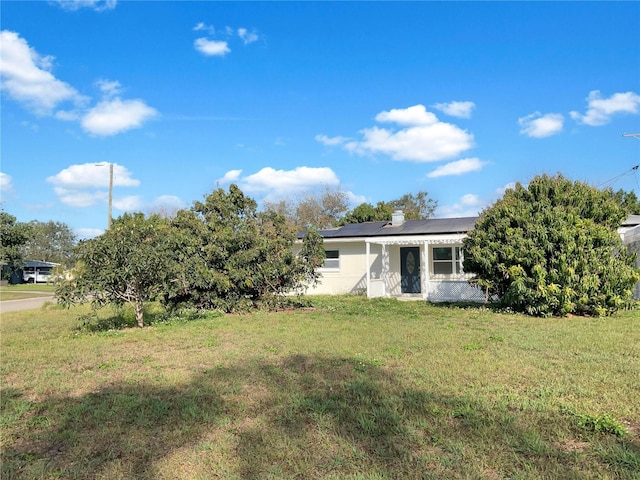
[[233, 257], [551, 248]]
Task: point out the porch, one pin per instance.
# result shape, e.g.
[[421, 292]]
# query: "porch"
[[418, 268]]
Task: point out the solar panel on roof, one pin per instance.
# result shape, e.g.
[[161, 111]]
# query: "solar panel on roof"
[[409, 227]]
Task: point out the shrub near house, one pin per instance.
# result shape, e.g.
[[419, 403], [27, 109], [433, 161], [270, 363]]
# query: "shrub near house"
[[552, 249], [221, 254]]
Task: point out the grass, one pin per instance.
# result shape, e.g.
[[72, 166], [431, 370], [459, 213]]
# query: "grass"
[[350, 389], [26, 290]]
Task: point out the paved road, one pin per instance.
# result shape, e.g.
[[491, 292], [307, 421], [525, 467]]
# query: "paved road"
[[23, 304]]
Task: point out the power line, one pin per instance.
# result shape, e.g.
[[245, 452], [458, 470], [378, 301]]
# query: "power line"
[[611, 181]]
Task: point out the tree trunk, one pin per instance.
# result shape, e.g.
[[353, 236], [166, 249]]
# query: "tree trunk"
[[140, 312]]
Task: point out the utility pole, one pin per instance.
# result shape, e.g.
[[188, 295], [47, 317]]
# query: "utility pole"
[[110, 192]]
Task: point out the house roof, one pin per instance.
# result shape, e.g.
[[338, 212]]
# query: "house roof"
[[39, 264], [430, 226], [631, 221]]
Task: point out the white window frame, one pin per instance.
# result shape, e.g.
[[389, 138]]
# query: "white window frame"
[[331, 264], [456, 261]]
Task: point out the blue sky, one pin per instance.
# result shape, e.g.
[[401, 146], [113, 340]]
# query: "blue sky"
[[377, 99]]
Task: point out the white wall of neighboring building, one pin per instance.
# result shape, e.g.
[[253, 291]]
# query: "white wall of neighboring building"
[[631, 239]]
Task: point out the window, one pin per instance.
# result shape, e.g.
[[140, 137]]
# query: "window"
[[332, 259], [447, 260]]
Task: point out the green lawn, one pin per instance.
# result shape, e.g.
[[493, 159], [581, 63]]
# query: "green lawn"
[[349, 389], [26, 290]]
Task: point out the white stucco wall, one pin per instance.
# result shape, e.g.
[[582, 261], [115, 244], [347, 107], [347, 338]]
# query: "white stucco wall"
[[351, 276]]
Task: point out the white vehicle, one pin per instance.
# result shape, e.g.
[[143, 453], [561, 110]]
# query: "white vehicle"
[[38, 272], [41, 276]]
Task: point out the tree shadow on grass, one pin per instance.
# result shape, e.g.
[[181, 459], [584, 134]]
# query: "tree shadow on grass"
[[122, 428], [110, 318], [297, 417]]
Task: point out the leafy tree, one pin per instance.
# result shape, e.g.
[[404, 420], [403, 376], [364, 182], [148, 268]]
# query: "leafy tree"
[[129, 263], [234, 257], [552, 249], [13, 235], [50, 242], [415, 207], [322, 209], [286, 208], [629, 201], [365, 212]]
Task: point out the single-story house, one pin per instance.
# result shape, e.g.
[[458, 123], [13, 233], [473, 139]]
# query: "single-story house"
[[388, 259], [33, 271], [419, 259]]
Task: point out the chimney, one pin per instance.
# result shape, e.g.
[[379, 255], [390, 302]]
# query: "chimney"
[[397, 218]]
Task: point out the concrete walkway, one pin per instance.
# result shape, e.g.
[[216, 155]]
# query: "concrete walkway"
[[24, 304]]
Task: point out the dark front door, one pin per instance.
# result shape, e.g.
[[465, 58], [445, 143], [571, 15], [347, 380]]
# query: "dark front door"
[[410, 269]]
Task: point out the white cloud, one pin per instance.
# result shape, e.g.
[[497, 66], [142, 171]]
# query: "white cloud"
[[87, 184], [468, 205], [416, 115], [272, 185], [219, 48], [109, 88], [211, 47], [27, 78], [170, 202], [79, 198], [6, 184], [131, 203], [600, 110], [424, 138], [97, 5], [456, 109], [355, 200], [283, 181], [500, 191], [331, 141], [84, 233], [229, 177], [201, 26], [458, 167], [246, 36], [537, 125], [470, 200], [420, 144], [91, 175], [113, 116]]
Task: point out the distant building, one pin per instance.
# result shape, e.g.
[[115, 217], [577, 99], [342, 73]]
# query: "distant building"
[[34, 271]]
